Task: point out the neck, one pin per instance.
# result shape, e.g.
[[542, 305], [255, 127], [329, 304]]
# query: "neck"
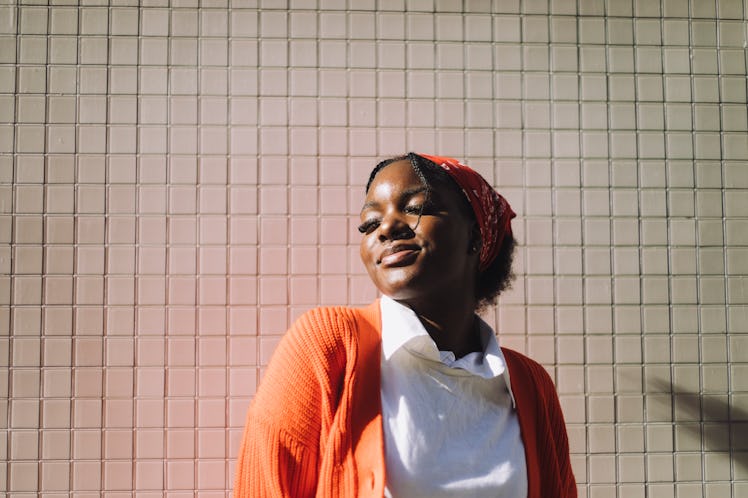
[[450, 323]]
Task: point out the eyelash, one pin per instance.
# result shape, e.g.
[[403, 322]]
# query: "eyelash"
[[369, 225]]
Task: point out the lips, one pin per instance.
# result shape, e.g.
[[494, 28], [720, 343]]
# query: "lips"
[[398, 255]]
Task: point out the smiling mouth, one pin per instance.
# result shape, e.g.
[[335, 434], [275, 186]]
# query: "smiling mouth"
[[399, 256]]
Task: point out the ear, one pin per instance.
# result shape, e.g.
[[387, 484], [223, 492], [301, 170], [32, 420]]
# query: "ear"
[[475, 239]]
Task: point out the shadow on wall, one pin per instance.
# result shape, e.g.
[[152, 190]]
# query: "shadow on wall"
[[714, 410]]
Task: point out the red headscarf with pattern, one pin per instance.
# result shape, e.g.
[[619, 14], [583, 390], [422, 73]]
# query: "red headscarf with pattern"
[[492, 211]]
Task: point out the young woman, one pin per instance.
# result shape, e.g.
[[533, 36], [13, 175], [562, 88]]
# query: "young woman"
[[411, 396]]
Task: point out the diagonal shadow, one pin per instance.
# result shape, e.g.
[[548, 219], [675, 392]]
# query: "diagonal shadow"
[[714, 410]]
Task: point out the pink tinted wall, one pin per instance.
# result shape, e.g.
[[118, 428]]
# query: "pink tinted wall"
[[180, 180]]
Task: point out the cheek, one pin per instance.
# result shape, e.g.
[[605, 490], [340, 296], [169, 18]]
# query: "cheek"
[[365, 250], [440, 232], [449, 239]]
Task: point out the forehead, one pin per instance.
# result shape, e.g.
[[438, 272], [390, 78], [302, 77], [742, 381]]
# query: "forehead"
[[399, 179], [398, 172], [403, 173]]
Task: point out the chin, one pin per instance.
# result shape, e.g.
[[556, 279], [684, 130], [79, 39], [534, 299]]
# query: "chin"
[[412, 281], [402, 289]]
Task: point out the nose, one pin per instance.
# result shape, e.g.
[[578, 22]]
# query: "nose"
[[394, 226]]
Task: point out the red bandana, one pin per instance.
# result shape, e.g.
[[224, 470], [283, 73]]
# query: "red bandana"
[[492, 211]]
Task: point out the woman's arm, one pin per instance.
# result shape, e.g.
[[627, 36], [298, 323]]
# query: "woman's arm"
[[544, 435], [280, 454], [560, 438], [272, 463]]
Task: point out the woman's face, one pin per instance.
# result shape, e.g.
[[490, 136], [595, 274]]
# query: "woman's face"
[[408, 257]]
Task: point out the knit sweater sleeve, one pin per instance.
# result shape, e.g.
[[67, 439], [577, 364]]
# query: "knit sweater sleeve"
[[559, 441], [293, 407], [543, 428]]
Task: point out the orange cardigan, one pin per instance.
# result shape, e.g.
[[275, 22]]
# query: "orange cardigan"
[[314, 428]]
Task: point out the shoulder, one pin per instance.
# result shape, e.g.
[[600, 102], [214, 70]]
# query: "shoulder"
[[335, 316], [333, 324], [325, 320], [520, 360], [320, 332], [330, 332], [524, 370], [307, 367]]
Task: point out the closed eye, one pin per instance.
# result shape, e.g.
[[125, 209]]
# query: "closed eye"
[[420, 209], [413, 209], [368, 226]]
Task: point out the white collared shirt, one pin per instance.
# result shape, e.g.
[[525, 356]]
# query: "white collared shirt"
[[450, 427]]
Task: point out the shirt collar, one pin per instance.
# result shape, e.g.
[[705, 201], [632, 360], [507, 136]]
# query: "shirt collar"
[[401, 328]]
